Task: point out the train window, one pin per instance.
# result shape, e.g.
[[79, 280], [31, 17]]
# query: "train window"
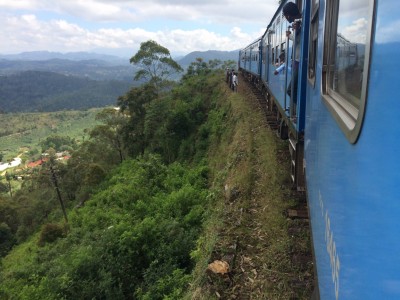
[[346, 61], [312, 54]]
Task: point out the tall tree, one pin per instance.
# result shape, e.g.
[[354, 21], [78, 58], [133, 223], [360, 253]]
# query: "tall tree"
[[155, 63], [135, 102], [109, 131]]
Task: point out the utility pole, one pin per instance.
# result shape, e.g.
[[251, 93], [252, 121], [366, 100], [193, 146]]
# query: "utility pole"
[[8, 178], [55, 182]]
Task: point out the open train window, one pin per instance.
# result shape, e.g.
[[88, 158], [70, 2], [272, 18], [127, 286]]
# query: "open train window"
[[312, 54], [345, 69]]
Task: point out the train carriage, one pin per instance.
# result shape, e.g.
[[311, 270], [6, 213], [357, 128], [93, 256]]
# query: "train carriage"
[[345, 123]]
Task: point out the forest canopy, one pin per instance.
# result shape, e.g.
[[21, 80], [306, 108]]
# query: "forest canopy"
[[136, 194]]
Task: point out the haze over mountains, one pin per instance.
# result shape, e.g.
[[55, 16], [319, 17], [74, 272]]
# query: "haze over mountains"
[[50, 81]]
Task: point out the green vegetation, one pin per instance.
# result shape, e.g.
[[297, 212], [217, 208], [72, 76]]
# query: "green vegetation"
[[133, 237], [248, 229], [28, 130], [155, 63], [38, 91], [152, 195]]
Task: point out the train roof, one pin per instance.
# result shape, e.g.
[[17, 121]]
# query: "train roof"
[[277, 13]]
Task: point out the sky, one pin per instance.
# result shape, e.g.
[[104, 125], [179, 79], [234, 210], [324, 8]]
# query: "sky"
[[119, 26]]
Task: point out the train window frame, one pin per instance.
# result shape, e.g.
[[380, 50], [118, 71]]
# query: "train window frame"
[[273, 45], [348, 116], [313, 43], [264, 50]]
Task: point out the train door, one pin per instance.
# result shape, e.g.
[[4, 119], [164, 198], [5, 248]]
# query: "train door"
[[289, 62], [267, 55], [294, 85]]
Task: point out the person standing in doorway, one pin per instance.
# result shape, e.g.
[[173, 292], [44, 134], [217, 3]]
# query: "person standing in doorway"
[[293, 15]]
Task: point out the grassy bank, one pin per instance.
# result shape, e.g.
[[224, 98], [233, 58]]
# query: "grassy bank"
[[268, 254]]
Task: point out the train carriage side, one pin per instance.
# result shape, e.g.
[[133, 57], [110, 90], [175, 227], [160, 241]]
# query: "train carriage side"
[[351, 144], [278, 44], [279, 52], [250, 57]]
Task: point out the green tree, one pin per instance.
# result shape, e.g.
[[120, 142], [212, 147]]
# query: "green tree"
[[8, 178], [155, 63], [57, 142], [3, 187], [136, 102], [7, 239], [50, 168], [110, 131], [230, 64]]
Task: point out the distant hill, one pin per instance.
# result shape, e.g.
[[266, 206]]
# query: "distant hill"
[[94, 68], [77, 56], [209, 55], [92, 65], [50, 81], [32, 91]]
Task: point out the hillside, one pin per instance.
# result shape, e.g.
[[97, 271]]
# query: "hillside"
[[94, 69], [73, 56], [33, 91], [49, 81], [92, 65], [211, 189], [26, 130], [209, 55], [267, 254]]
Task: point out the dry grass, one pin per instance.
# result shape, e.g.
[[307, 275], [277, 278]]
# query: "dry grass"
[[269, 254]]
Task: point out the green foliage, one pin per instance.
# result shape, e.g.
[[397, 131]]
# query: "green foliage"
[[50, 233], [110, 131], [172, 124], [7, 239], [32, 91], [134, 237], [139, 218], [30, 129], [154, 62], [3, 187], [135, 102], [57, 142]]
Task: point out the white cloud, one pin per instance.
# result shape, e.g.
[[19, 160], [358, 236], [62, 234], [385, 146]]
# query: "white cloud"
[[83, 25], [31, 34], [356, 32], [135, 10]]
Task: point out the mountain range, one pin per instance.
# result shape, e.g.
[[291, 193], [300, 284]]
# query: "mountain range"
[[49, 81]]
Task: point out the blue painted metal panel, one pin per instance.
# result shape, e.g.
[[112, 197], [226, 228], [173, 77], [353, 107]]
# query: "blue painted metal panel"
[[353, 188]]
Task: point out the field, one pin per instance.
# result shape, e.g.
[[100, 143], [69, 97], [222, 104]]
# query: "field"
[[21, 132]]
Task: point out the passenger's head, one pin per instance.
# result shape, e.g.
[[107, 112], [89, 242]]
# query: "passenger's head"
[[282, 56], [291, 11]]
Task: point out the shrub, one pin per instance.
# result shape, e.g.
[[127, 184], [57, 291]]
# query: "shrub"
[[50, 232], [7, 239]]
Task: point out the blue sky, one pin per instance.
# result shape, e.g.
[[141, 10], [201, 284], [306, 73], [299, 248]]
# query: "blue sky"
[[119, 26]]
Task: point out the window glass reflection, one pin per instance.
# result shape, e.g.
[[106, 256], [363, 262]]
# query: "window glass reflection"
[[352, 29]]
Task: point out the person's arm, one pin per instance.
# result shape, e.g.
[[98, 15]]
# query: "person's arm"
[[290, 35], [280, 69]]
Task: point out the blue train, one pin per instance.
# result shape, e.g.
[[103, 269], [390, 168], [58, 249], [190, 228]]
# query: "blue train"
[[343, 135]]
